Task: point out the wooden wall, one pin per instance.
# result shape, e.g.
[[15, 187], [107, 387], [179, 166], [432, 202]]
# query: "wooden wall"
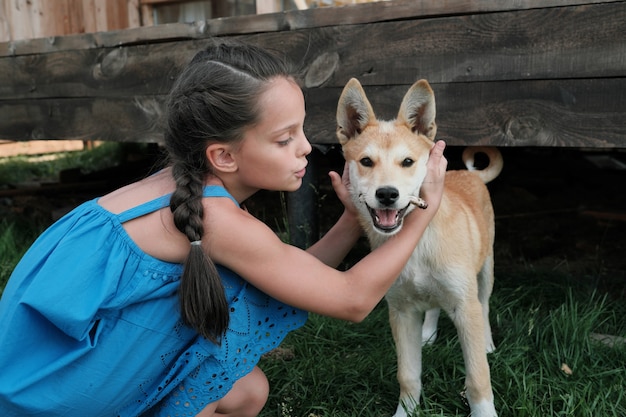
[[506, 73], [27, 19]]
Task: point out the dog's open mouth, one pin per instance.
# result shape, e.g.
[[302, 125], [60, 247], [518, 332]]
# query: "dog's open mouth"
[[387, 220]]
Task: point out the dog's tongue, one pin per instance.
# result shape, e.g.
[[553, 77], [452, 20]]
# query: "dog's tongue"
[[387, 218]]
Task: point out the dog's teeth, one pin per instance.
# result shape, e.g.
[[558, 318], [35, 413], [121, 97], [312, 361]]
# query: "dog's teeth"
[[419, 202]]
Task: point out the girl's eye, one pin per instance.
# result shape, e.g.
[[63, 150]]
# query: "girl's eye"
[[285, 142]]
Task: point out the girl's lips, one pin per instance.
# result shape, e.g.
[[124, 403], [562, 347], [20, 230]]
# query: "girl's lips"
[[300, 174]]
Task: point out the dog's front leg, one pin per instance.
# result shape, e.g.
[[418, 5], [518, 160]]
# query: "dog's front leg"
[[468, 319], [406, 328]]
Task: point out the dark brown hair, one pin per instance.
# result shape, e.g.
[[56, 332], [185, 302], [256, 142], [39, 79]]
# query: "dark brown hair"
[[215, 99]]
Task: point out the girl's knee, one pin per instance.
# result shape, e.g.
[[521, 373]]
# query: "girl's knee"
[[246, 399], [258, 389]]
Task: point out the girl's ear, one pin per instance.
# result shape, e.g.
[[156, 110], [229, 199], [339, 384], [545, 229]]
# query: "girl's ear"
[[220, 157]]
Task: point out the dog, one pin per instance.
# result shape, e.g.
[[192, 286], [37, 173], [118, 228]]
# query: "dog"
[[452, 268]]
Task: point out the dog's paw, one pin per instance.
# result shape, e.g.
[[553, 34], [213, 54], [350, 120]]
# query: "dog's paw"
[[483, 409]]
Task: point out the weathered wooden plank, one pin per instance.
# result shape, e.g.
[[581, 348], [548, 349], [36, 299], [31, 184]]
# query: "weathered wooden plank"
[[561, 113], [111, 72], [564, 113], [283, 21], [574, 42], [132, 119], [515, 75]]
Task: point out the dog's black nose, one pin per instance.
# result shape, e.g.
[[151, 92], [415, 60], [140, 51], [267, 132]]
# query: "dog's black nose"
[[387, 195]]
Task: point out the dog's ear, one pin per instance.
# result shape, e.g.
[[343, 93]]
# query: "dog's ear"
[[418, 109], [354, 111]]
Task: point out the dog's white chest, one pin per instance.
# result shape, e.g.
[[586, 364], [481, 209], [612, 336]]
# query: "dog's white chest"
[[418, 283], [416, 286]]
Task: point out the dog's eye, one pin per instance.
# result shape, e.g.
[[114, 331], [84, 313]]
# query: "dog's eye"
[[407, 162], [366, 162]]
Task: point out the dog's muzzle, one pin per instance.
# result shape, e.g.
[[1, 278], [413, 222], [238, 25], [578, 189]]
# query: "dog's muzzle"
[[387, 220]]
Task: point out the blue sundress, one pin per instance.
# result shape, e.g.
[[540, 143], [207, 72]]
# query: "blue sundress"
[[90, 326]]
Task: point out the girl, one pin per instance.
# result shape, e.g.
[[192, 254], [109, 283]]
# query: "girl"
[[160, 298]]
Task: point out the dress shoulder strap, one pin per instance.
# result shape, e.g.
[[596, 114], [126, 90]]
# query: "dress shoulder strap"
[[164, 201], [217, 191]]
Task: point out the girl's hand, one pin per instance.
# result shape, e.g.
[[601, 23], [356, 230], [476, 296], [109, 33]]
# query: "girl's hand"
[[341, 185], [432, 187]]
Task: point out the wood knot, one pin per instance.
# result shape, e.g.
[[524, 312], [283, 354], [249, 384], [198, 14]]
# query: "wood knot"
[[321, 69], [111, 65], [527, 129]]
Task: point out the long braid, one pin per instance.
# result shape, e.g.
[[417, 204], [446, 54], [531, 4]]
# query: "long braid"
[[214, 100], [203, 306], [186, 201]]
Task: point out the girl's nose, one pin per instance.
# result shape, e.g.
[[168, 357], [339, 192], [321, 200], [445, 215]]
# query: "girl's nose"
[[305, 145]]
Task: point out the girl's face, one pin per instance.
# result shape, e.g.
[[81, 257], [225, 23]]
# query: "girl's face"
[[272, 154]]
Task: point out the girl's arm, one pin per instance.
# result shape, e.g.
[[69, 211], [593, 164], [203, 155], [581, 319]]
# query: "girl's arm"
[[297, 278], [250, 248]]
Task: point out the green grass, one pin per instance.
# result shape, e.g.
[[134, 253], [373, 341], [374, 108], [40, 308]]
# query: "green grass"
[[542, 317], [13, 244], [342, 369], [30, 168], [540, 322]]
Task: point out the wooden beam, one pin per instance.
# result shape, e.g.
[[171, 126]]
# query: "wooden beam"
[[521, 75], [132, 119], [554, 113], [286, 21], [506, 46], [558, 113]]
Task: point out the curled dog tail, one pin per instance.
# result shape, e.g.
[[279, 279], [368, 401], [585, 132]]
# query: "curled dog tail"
[[491, 171]]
